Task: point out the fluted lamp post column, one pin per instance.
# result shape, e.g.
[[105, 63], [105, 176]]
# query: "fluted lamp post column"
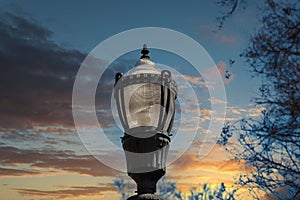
[[145, 98]]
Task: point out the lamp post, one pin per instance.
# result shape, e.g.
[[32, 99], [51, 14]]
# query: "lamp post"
[[145, 98]]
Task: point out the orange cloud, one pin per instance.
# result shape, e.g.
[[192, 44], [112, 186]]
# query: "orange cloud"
[[235, 111], [190, 162], [215, 168], [255, 112], [217, 101], [212, 32], [197, 80], [252, 112], [220, 69]]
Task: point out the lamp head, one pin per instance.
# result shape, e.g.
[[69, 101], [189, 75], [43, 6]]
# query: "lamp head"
[[145, 98]]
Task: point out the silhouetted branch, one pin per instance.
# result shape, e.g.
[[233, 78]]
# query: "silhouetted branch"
[[270, 145]]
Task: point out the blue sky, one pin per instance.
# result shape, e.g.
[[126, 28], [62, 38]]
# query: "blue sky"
[[82, 25], [93, 21]]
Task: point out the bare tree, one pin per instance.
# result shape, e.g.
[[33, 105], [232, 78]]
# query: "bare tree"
[[270, 145], [231, 7], [169, 191]]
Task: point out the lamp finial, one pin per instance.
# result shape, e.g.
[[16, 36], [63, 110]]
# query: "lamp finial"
[[145, 52]]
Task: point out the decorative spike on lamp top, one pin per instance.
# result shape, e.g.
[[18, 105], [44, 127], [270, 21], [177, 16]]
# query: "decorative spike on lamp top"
[[145, 52]]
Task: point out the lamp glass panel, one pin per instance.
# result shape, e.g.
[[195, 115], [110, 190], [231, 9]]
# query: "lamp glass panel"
[[142, 104]]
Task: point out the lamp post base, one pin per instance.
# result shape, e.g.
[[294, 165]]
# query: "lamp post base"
[[145, 197]]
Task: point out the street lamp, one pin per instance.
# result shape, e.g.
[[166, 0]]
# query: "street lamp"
[[145, 98]]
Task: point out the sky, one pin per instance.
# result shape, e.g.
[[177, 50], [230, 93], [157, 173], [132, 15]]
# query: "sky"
[[42, 45]]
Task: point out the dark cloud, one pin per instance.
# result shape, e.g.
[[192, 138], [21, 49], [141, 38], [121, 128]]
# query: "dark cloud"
[[74, 191], [21, 136], [51, 159], [43, 136], [37, 76], [16, 172]]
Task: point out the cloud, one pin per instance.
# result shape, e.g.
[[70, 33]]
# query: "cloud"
[[186, 161], [212, 32], [58, 138], [220, 69], [196, 80], [71, 192], [256, 111], [235, 111], [218, 160], [37, 76], [215, 168], [245, 112], [16, 172], [217, 101], [41, 161]]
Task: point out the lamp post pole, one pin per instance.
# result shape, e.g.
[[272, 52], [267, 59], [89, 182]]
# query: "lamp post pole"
[[145, 98]]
